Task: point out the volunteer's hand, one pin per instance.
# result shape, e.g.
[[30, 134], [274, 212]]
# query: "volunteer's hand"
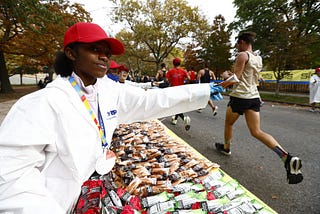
[[215, 90], [154, 83]]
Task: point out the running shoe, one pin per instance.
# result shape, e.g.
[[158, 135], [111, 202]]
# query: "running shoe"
[[215, 111], [220, 148], [293, 166], [187, 123], [174, 120]]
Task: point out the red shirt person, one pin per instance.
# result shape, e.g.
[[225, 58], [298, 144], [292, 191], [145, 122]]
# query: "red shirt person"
[[176, 76]]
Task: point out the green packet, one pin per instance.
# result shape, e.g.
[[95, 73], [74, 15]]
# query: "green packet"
[[152, 200], [213, 205], [211, 179], [162, 207], [185, 201], [261, 209], [265, 211], [196, 211], [186, 187], [228, 188]]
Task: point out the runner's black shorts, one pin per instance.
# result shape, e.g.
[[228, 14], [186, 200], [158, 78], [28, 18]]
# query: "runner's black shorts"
[[239, 105]]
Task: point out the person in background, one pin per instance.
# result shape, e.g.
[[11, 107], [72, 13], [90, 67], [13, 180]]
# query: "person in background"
[[113, 71], [123, 78], [176, 76], [48, 150], [314, 89], [205, 75], [161, 76], [245, 100], [193, 75], [145, 79]]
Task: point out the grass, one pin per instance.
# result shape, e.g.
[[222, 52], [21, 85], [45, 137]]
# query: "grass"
[[290, 99]]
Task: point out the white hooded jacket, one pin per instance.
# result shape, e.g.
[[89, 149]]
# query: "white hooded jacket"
[[49, 143]]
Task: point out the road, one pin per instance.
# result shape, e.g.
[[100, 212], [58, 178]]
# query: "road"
[[256, 167]]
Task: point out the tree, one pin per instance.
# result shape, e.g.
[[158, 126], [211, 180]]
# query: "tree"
[[191, 58], [216, 47], [288, 31], [33, 30], [156, 27]]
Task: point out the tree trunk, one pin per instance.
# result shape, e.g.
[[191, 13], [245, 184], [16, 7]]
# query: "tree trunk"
[[21, 76], [4, 77], [277, 87]]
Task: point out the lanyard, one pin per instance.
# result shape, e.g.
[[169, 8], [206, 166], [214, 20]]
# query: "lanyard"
[[99, 123]]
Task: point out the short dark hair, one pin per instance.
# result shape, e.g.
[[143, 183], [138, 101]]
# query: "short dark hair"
[[247, 37]]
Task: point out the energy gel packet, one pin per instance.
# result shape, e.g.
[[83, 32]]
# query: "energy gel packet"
[[213, 205], [152, 200], [234, 194], [129, 199], [182, 188], [225, 189], [161, 207], [244, 208], [186, 200], [196, 211]]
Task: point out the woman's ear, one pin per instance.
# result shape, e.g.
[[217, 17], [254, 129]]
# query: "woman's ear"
[[70, 53]]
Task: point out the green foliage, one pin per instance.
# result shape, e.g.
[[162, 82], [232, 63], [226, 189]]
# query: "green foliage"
[[287, 30], [155, 27], [216, 47], [31, 32]]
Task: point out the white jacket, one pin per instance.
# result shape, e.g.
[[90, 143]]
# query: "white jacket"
[[49, 143]]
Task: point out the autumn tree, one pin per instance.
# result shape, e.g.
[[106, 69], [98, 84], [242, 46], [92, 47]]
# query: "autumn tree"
[[32, 31], [155, 28], [288, 31], [216, 47], [191, 58]]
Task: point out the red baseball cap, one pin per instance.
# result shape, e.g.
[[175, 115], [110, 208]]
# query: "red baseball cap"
[[123, 68], [318, 69], [176, 60], [114, 65], [89, 32]]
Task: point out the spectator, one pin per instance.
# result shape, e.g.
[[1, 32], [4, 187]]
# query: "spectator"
[[314, 88], [123, 78], [113, 71]]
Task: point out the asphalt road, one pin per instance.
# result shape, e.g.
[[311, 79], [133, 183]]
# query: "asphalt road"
[[255, 166]]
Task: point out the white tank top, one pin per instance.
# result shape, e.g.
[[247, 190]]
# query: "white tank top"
[[249, 80]]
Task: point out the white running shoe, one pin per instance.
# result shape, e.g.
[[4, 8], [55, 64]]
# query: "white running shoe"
[[187, 121], [173, 120]]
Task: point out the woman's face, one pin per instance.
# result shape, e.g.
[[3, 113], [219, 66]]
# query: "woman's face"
[[90, 60], [123, 75]]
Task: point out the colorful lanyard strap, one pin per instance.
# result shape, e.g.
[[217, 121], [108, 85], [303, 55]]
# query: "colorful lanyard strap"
[[99, 123]]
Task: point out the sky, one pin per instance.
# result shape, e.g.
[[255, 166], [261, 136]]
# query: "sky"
[[210, 8]]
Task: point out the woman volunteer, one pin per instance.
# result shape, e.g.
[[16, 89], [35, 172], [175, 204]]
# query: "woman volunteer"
[[52, 140]]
